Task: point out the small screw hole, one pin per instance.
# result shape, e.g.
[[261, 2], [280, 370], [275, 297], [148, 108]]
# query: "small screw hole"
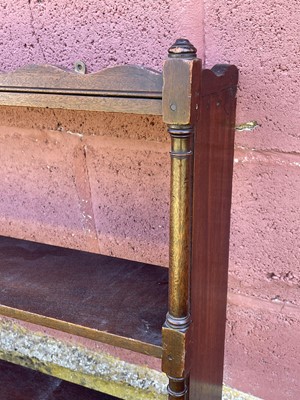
[[80, 67]]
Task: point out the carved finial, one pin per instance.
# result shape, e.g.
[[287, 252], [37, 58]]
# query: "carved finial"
[[182, 48]]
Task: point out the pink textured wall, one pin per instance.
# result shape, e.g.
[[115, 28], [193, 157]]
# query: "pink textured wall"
[[263, 347], [262, 39], [100, 33]]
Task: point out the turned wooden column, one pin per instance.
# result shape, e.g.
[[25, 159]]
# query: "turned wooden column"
[[182, 72]]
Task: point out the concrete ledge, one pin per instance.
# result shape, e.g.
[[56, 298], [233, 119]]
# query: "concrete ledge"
[[78, 364], [98, 370]]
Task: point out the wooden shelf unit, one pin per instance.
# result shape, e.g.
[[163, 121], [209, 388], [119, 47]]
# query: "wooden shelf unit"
[[109, 299]]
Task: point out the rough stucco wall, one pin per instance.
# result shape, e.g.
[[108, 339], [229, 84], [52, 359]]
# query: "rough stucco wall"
[[101, 33], [262, 39], [262, 353], [87, 191], [259, 37]]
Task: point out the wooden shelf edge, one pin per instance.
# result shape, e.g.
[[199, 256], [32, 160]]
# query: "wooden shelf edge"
[[122, 78], [86, 294], [129, 105], [83, 331]]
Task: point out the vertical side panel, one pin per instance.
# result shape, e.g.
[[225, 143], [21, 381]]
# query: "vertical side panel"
[[213, 164]]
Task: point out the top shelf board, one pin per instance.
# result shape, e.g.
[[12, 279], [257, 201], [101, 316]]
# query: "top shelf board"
[[127, 89]]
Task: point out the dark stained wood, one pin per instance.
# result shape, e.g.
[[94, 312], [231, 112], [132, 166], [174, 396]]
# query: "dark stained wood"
[[125, 89], [182, 76], [214, 145], [20, 383], [219, 78], [112, 300], [126, 80], [179, 90], [124, 303]]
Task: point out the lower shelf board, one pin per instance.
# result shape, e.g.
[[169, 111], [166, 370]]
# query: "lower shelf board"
[[19, 383], [112, 300]]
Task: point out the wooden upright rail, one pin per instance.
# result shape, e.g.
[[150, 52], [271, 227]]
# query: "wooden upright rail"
[[181, 96]]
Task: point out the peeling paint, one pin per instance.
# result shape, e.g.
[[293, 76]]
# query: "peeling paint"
[[75, 133], [247, 126]]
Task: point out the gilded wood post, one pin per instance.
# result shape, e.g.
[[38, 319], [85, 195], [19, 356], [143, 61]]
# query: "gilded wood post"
[[181, 89]]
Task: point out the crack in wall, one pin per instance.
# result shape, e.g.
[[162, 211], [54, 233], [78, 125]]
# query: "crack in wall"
[[93, 220], [271, 306], [84, 193], [78, 364], [269, 152]]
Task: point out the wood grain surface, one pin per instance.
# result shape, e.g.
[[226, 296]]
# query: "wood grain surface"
[[126, 89], [112, 300], [123, 80], [214, 146]]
